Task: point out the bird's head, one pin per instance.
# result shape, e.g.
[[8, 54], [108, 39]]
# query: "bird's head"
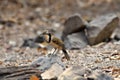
[[39, 39], [44, 37]]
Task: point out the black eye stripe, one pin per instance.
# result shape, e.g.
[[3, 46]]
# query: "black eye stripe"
[[49, 37]]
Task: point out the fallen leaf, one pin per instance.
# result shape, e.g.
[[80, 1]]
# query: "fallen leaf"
[[34, 77]]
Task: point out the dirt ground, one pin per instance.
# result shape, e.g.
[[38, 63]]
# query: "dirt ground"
[[22, 19]]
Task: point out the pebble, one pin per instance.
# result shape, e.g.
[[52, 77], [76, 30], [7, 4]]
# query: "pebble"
[[1, 26], [12, 43]]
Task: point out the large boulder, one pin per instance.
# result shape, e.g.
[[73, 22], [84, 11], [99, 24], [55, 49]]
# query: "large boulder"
[[76, 40], [101, 28], [73, 24]]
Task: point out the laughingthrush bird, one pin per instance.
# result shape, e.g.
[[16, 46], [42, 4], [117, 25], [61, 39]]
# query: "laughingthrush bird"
[[46, 38]]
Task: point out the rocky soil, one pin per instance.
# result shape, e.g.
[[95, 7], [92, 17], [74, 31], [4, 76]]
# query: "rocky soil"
[[24, 20]]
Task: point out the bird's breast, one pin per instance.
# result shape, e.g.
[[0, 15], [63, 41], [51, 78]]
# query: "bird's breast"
[[44, 44]]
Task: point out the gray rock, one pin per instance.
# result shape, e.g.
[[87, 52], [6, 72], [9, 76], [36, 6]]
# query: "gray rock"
[[1, 26], [73, 24], [98, 75], [43, 63], [74, 73], [53, 72], [82, 73], [101, 28], [76, 41]]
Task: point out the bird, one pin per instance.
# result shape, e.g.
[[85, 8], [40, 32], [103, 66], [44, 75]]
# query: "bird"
[[46, 38]]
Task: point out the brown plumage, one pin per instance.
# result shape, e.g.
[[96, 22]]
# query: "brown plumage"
[[47, 38]]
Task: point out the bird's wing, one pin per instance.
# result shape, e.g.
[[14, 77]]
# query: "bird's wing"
[[58, 42]]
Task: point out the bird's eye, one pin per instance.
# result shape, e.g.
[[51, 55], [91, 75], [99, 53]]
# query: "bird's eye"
[[39, 39]]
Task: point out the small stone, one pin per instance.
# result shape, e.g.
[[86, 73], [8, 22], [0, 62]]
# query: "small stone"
[[12, 43], [117, 43], [1, 26], [82, 73], [54, 71], [39, 32], [56, 25], [98, 75], [27, 23], [38, 9], [11, 58]]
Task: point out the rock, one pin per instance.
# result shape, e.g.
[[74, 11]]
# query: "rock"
[[98, 75], [45, 62], [12, 43], [116, 78], [38, 32], [73, 24], [19, 73], [82, 73], [101, 28], [74, 73], [117, 33], [53, 72], [56, 25], [116, 42], [11, 58], [1, 27], [76, 41]]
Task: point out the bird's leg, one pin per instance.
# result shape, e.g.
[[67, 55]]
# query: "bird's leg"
[[55, 51], [52, 51]]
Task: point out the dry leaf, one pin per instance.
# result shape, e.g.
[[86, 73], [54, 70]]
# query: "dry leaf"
[[34, 77]]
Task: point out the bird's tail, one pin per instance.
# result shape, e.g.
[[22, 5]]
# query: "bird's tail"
[[66, 54]]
